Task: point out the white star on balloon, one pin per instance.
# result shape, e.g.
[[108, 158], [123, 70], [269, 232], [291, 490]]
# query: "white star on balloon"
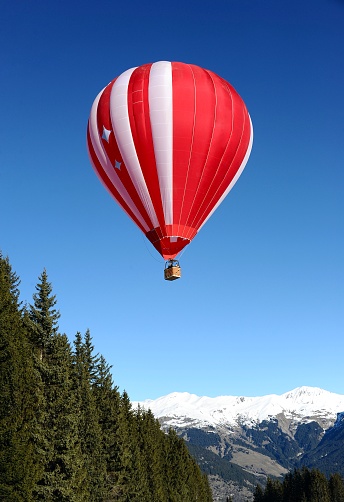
[[106, 134], [118, 164]]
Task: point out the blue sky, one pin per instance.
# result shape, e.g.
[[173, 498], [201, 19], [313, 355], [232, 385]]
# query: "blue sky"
[[259, 308]]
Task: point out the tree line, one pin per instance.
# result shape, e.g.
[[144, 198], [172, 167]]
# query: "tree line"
[[66, 432], [302, 485]]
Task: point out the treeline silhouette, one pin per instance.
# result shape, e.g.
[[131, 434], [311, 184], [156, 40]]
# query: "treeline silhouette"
[[66, 433], [302, 485]]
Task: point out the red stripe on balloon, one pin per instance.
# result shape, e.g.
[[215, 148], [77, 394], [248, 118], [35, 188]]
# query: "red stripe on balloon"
[[138, 110], [202, 105], [108, 184], [112, 149], [230, 143], [183, 134]]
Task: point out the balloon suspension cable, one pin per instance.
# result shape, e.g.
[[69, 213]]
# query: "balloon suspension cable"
[[149, 251]]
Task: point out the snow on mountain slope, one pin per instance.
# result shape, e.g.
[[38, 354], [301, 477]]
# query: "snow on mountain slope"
[[303, 403]]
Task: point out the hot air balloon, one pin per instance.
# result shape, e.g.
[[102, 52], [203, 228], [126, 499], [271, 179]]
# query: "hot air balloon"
[[169, 141]]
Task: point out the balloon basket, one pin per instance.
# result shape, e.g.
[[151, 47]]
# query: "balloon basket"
[[172, 270]]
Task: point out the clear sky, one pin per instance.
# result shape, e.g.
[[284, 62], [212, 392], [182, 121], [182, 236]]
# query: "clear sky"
[[260, 306]]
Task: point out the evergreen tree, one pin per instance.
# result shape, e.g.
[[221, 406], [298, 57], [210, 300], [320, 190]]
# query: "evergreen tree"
[[294, 486], [152, 454], [302, 486], [66, 434], [336, 487], [89, 419], [153, 448], [317, 486], [273, 491], [258, 495], [19, 467], [44, 316], [64, 474], [182, 484], [139, 483], [108, 405], [58, 443], [41, 321], [124, 488]]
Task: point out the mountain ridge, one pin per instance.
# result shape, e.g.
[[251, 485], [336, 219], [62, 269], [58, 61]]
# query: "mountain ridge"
[[303, 403], [236, 439]]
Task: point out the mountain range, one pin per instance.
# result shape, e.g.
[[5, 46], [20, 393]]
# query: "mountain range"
[[239, 441]]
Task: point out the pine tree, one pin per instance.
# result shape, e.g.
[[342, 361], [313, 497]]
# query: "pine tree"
[[302, 485], [318, 490], [152, 454], [84, 371], [124, 488], [294, 486], [42, 325], [19, 467], [336, 487], [44, 316], [58, 442], [145, 475], [108, 405], [258, 494], [179, 468], [273, 491], [64, 476]]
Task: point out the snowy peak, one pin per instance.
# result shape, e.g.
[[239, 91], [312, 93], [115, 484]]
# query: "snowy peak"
[[263, 436], [303, 403], [308, 394]]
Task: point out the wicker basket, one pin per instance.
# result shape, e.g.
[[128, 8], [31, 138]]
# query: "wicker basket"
[[172, 273]]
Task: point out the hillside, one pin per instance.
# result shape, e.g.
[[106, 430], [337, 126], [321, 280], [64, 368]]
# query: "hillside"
[[240, 441]]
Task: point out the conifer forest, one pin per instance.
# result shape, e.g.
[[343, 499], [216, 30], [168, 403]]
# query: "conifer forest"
[[66, 432], [302, 485]]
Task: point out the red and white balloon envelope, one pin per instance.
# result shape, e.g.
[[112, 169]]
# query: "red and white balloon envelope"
[[169, 141]]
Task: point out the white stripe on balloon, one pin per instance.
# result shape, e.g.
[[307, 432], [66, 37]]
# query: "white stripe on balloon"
[[106, 163], [121, 127], [161, 117]]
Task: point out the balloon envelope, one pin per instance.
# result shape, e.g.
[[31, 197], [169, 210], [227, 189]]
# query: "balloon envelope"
[[169, 141]]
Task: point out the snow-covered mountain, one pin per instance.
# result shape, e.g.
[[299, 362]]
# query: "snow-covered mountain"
[[240, 440], [303, 404]]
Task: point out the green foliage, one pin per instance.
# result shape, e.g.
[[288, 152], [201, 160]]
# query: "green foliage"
[[88, 422], [66, 433], [43, 316], [336, 488], [258, 494], [302, 486], [19, 466]]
